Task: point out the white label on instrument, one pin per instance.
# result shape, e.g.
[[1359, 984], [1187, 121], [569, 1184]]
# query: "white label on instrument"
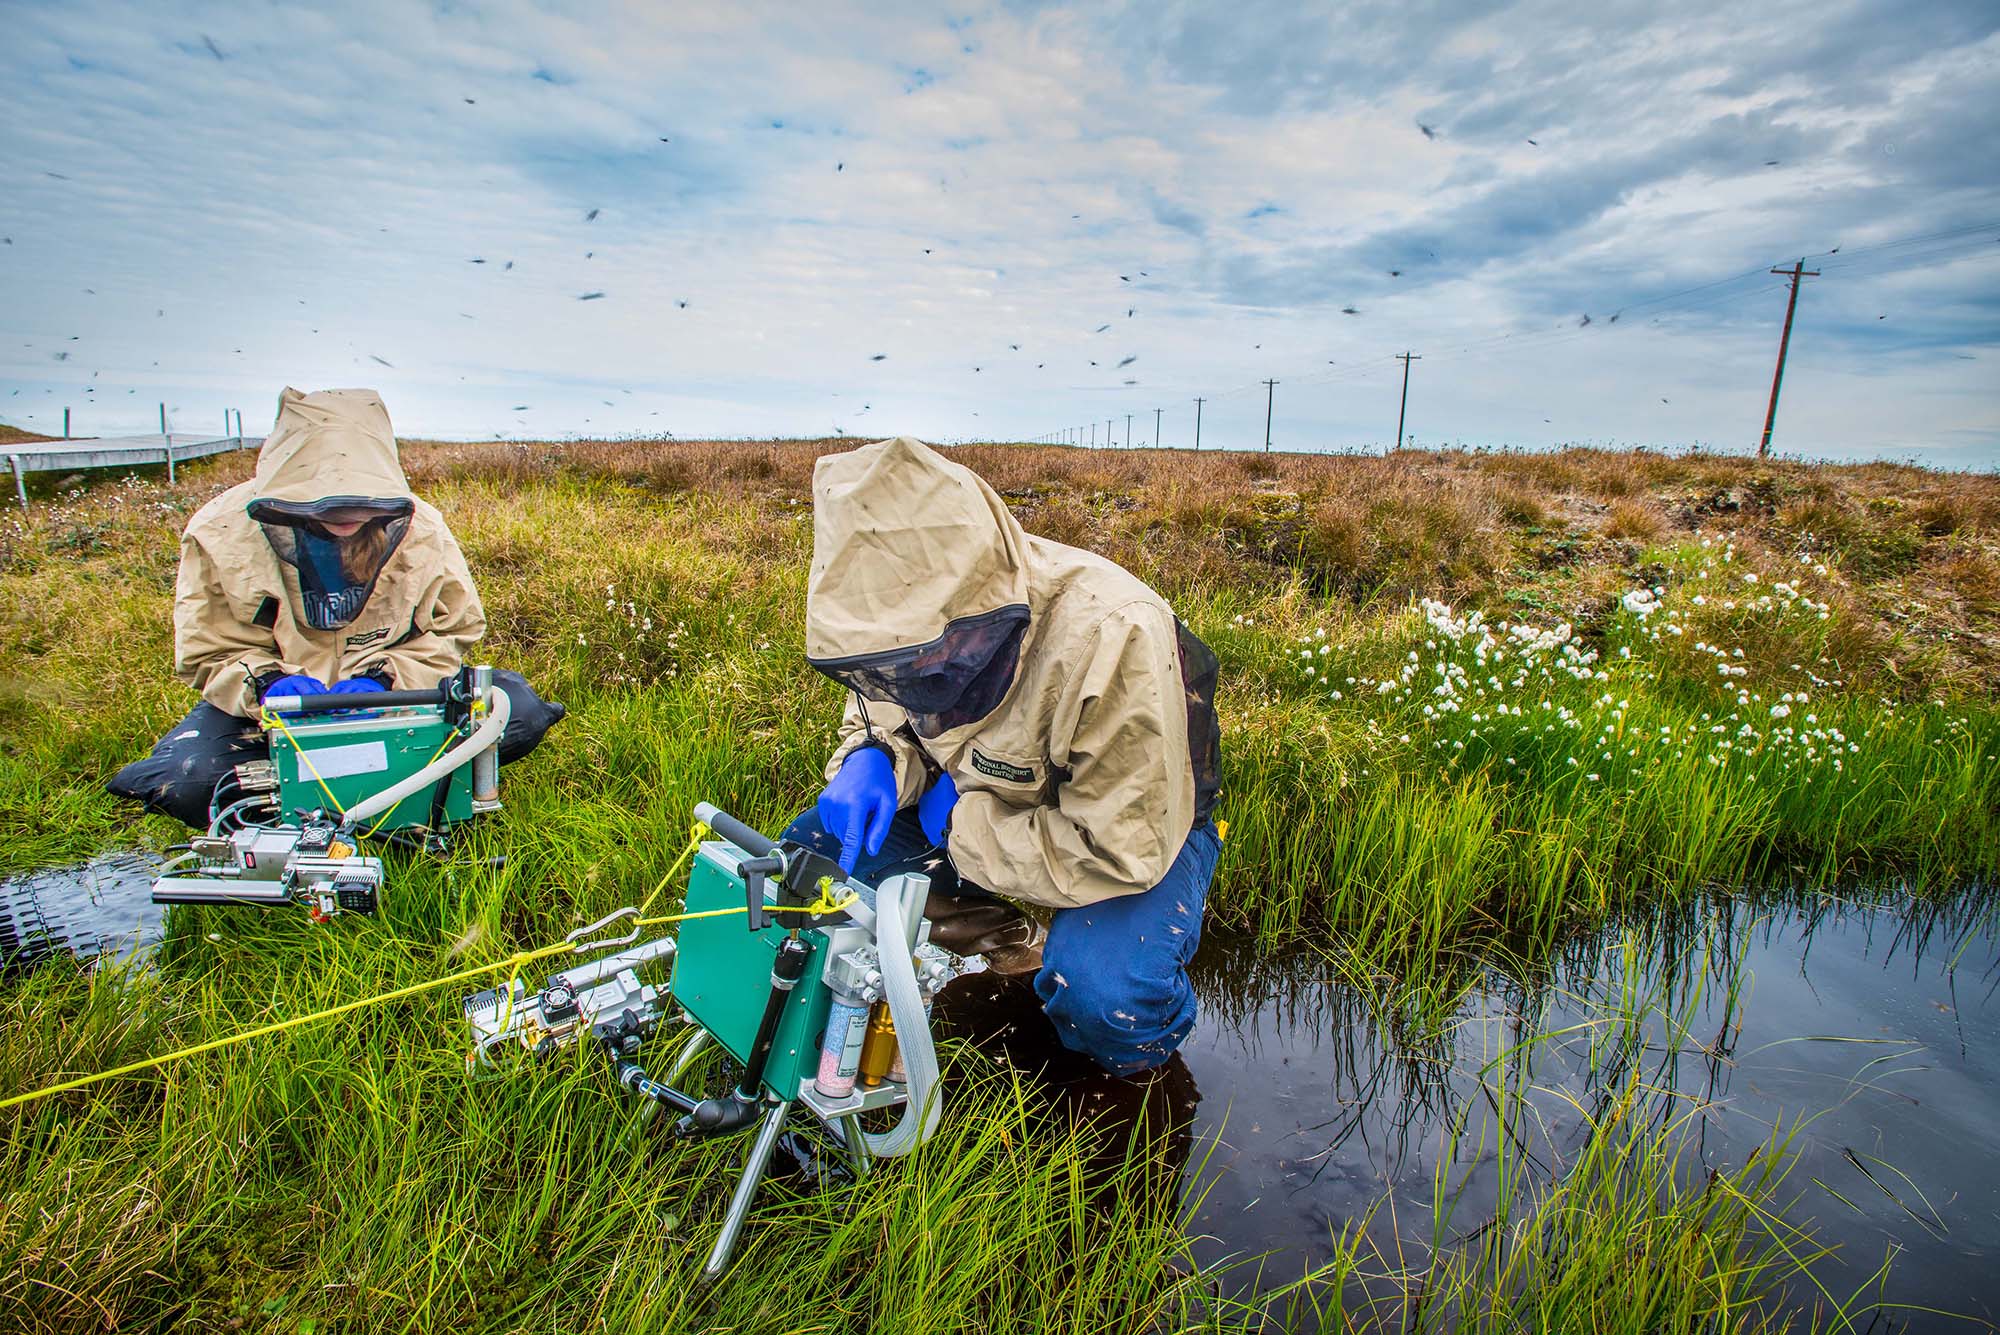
[[337, 762]]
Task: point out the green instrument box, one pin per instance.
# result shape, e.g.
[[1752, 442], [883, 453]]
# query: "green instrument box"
[[722, 975], [355, 756]]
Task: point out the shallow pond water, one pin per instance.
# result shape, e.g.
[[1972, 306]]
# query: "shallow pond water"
[[1878, 1024], [101, 910]]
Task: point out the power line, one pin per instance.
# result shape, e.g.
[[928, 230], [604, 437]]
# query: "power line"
[[1939, 246], [1992, 225]]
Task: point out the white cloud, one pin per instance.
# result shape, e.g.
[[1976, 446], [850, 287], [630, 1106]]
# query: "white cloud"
[[316, 198]]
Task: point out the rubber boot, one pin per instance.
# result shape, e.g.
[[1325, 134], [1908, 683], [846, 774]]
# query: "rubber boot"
[[1006, 937]]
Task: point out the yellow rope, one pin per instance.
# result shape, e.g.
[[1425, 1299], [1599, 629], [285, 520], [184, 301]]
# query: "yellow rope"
[[639, 920], [685, 917], [215, 1044], [450, 737], [275, 721], [826, 903], [695, 833], [305, 760], [515, 962]]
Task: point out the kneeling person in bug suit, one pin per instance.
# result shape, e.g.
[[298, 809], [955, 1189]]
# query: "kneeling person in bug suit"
[[322, 573], [1025, 720]]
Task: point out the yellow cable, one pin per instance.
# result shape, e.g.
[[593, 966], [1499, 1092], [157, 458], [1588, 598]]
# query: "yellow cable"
[[276, 721], [695, 833], [513, 962], [826, 903], [684, 917], [214, 1044], [450, 737]]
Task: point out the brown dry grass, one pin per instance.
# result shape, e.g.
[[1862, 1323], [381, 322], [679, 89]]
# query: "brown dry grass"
[[1912, 556]]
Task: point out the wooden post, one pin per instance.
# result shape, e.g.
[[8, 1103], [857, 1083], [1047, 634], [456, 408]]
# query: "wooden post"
[[1404, 407], [1796, 272], [168, 441], [20, 485]]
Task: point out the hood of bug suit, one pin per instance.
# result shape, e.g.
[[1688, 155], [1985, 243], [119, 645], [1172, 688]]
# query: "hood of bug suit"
[[265, 588], [331, 454], [1073, 712], [918, 593]]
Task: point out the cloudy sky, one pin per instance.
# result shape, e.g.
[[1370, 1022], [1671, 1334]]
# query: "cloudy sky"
[[1007, 221]]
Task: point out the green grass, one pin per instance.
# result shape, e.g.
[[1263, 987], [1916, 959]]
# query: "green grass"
[[348, 1177]]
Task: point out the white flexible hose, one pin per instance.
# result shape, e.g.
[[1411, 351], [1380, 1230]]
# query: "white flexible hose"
[[913, 1027], [485, 735]]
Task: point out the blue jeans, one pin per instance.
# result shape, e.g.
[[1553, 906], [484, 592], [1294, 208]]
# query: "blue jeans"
[[1114, 974]]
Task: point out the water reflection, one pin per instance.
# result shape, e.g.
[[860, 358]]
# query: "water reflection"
[[1333, 1092], [102, 909]]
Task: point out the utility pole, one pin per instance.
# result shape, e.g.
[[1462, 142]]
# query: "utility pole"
[[163, 419], [65, 424], [1156, 428], [1093, 435], [1405, 358], [1796, 272], [1107, 433], [1269, 385], [1197, 425], [1128, 431]]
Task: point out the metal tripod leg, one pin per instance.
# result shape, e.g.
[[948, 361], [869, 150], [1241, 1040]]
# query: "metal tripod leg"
[[852, 1139], [746, 1187]]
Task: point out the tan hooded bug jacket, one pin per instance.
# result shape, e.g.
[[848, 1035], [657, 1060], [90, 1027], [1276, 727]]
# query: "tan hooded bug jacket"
[[1082, 784], [235, 622]]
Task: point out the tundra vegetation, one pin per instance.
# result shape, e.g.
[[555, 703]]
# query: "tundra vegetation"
[[1478, 707]]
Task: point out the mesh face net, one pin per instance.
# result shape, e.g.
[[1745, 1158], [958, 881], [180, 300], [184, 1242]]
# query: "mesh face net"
[[336, 574], [1199, 669], [959, 677]]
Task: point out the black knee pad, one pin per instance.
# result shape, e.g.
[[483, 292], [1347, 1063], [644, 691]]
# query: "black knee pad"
[[529, 717], [180, 775]]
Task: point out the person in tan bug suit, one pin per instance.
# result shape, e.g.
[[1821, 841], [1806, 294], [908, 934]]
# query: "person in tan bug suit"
[[322, 573], [1025, 720]]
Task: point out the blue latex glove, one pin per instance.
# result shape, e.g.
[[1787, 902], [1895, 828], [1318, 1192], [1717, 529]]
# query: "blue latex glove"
[[859, 804], [355, 685], [298, 683], [934, 809]]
